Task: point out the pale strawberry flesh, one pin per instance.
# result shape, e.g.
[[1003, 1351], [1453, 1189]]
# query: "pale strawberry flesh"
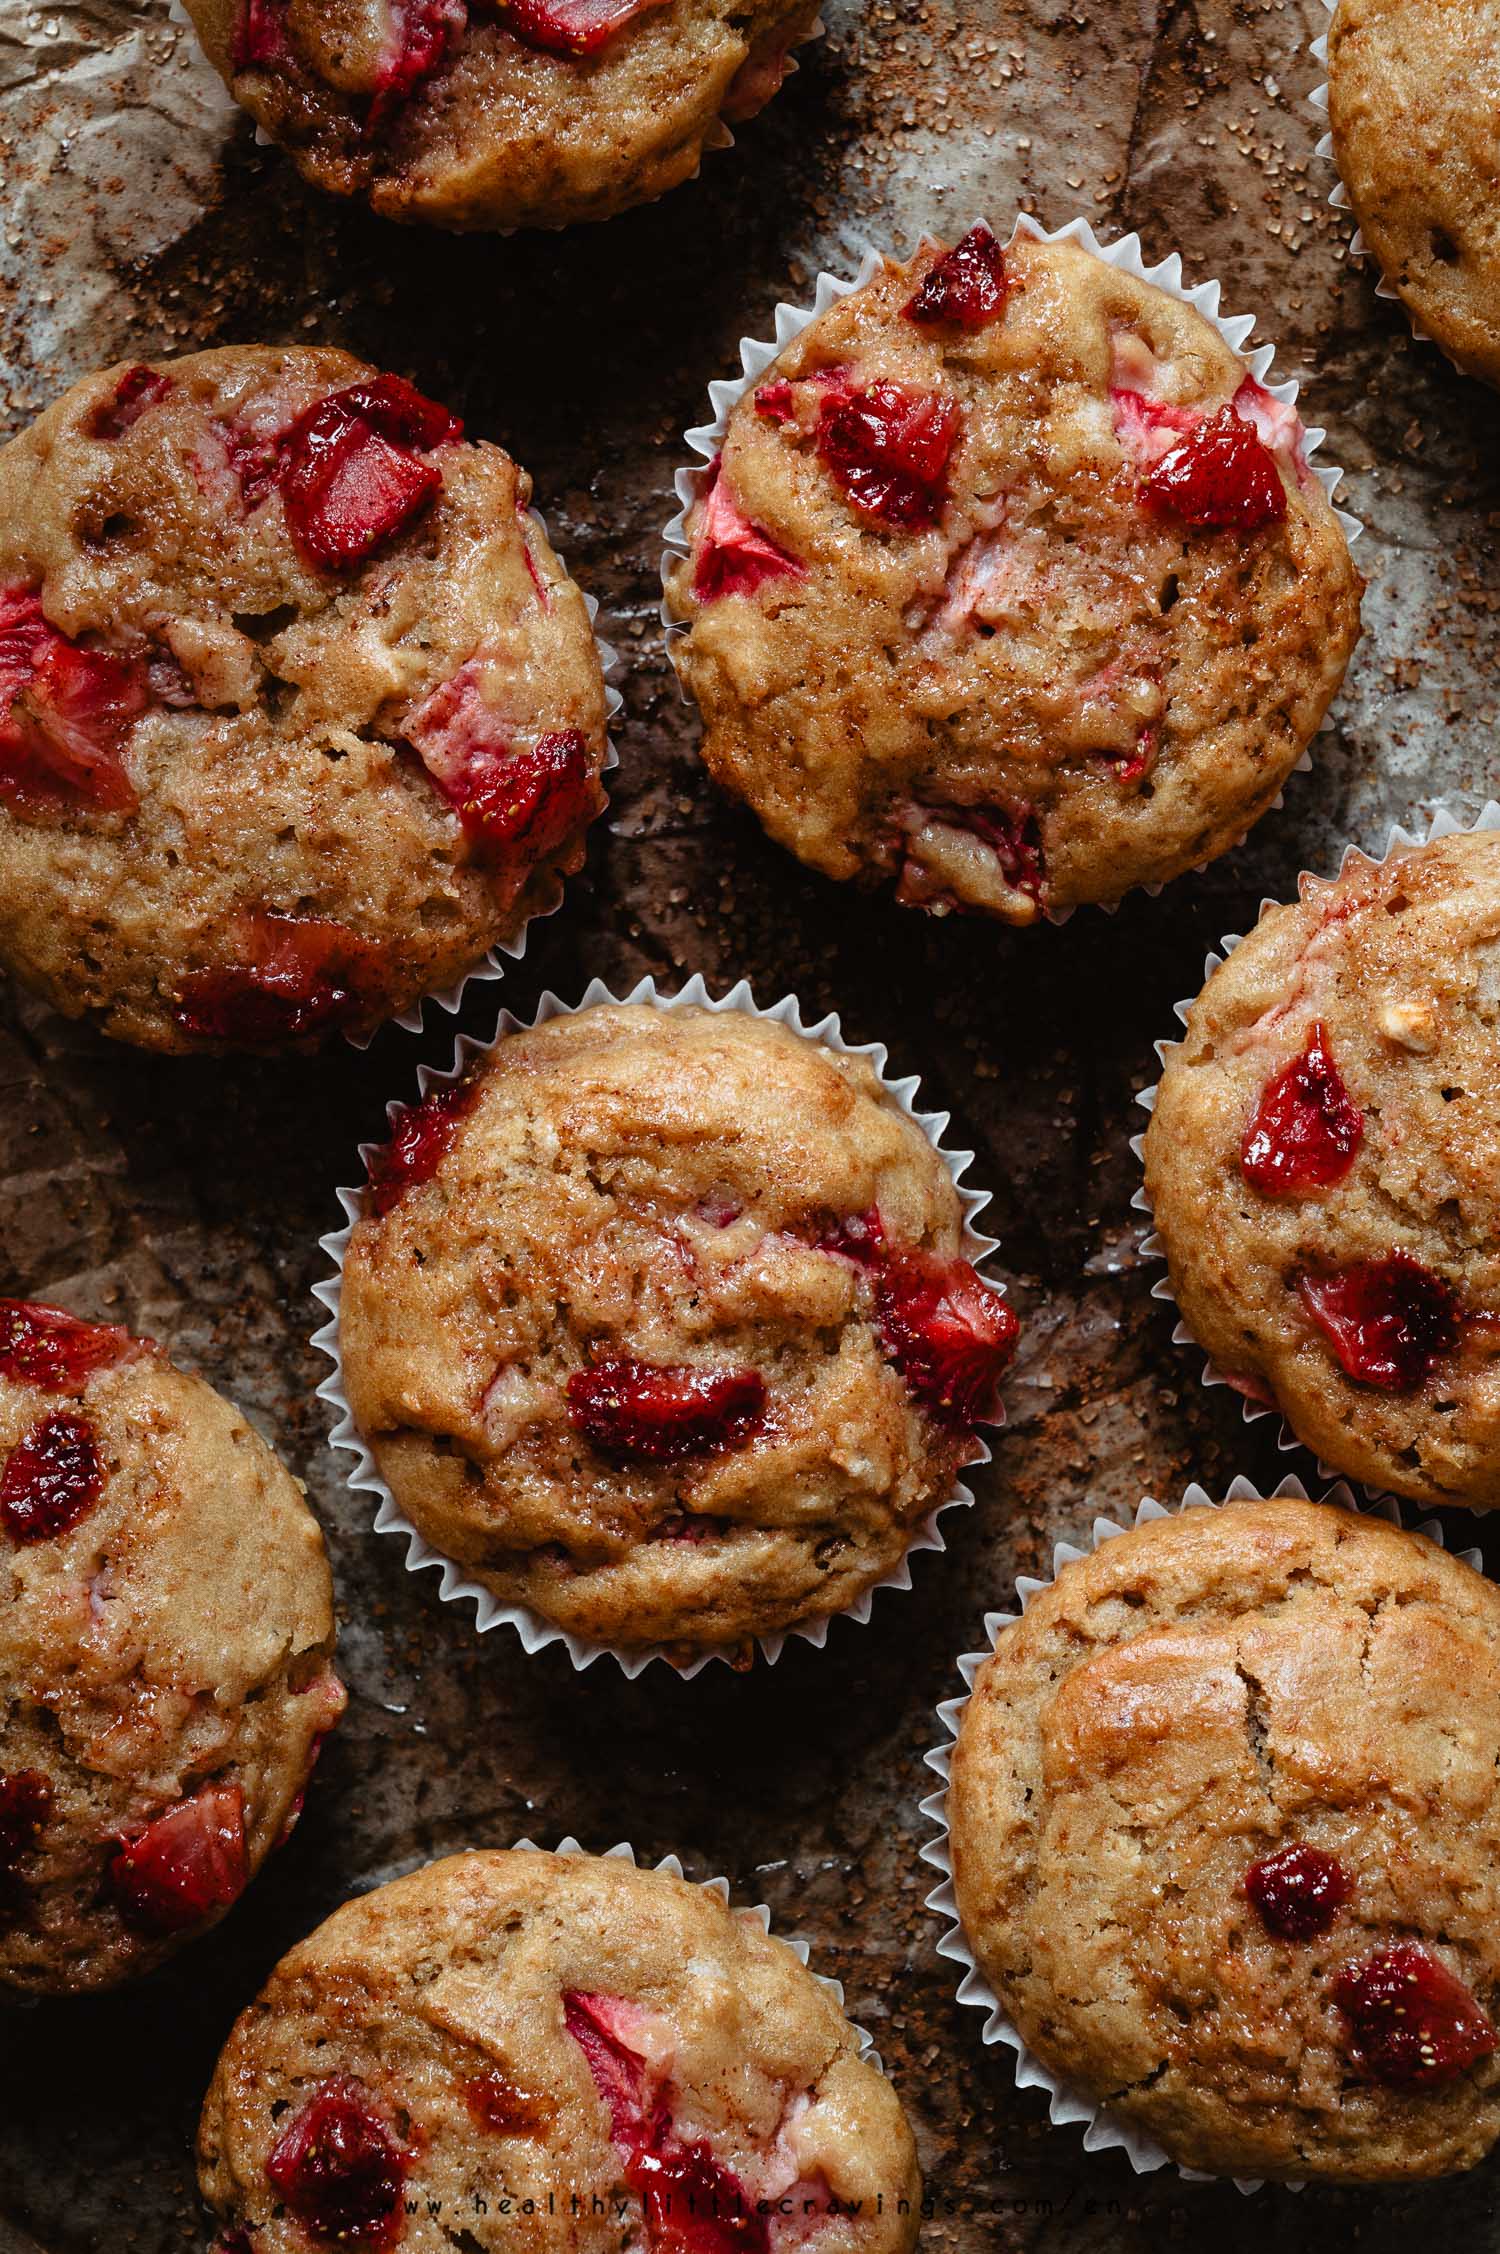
[[186, 1866], [1221, 478], [305, 976], [732, 556], [53, 1351], [1412, 2024], [354, 471], [338, 2169], [966, 285], [66, 712], [424, 35], [421, 1137], [1388, 1321], [53, 1477], [571, 27], [138, 390], [663, 1413], [888, 448]]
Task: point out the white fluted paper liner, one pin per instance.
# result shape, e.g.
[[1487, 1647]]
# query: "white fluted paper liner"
[[1253, 1406], [706, 439], [489, 967], [456, 1586], [1067, 2107], [623, 1852]]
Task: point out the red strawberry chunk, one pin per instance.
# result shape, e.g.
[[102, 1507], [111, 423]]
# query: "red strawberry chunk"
[[52, 1479], [424, 35], [734, 556], [659, 1413], [65, 715], [421, 1136], [1388, 1321], [259, 37], [338, 2168], [1298, 1892], [595, 2024], [184, 1866], [949, 1333], [777, 401], [571, 27], [887, 448], [1146, 427], [1306, 1131], [138, 390], [255, 459], [42, 1346], [520, 802], [967, 285], [26, 1798], [304, 975], [1412, 2024], [1222, 477], [352, 471]]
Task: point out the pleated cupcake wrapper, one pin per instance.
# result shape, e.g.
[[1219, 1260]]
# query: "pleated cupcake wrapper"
[[490, 967], [758, 1915], [706, 440], [456, 1584], [1253, 1407], [1068, 2107]]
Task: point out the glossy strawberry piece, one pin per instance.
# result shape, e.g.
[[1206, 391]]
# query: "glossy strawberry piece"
[[660, 1413], [967, 285], [52, 1478], [55, 1352], [259, 39], [185, 1866], [732, 555], [888, 450], [339, 2170], [25, 1804], [571, 27], [65, 715], [1297, 1892], [1412, 2024], [138, 390], [424, 34], [1221, 478], [302, 975], [619, 2072], [519, 803], [1388, 1321], [1306, 1131], [421, 1137], [949, 1333], [353, 468], [777, 401]]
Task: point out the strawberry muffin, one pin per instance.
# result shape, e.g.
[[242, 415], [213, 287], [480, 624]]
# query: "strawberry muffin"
[[609, 2053], [658, 1321], [1324, 1164], [166, 1648], [1414, 103], [299, 714], [1226, 1841], [522, 113], [1011, 587]]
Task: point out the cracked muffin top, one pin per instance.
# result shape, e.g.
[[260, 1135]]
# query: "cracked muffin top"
[[299, 713], [658, 1321], [1011, 587], [527, 113], [1414, 103], [611, 2053], [1226, 1840], [166, 1649], [1323, 1162]]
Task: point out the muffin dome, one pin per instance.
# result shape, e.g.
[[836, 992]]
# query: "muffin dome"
[[299, 714], [1414, 103], [1226, 1840], [166, 1645], [1323, 1161], [533, 113], [557, 2045], [1011, 587], [658, 1322]]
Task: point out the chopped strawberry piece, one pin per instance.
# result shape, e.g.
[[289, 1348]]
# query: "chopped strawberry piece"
[[1306, 1130], [571, 27], [306, 975], [186, 1865], [52, 1479], [259, 36], [421, 1136], [659, 1413], [1297, 1892], [1276, 425], [1222, 477], [1147, 427], [1012, 834], [949, 1333], [777, 401], [1388, 1321], [352, 471], [138, 390], [967, 285], [42, 1346], [1412, 2023], [338, 2168], [619, 2073], [520, 802], [424, 34], [734, 556], [26, 1798], [495, 2103], [255, 458], [65, 714], [888, 449]]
